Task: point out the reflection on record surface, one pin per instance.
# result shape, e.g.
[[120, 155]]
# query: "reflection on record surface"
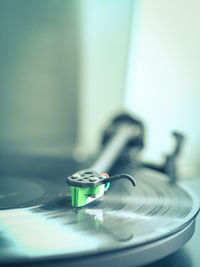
[[37, 219]]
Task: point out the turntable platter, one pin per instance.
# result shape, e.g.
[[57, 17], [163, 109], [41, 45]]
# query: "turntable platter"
[[141, 220]]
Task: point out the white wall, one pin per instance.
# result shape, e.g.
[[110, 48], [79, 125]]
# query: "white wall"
[[63, 67], [104, 38], [163, 83], [39, 70]]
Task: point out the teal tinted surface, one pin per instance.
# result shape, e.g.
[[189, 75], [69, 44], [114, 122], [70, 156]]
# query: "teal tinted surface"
[[38, 74]]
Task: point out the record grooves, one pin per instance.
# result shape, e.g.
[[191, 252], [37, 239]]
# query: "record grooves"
[[123, 218], [126, 225]]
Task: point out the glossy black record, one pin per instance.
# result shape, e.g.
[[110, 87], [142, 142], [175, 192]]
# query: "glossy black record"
[[125, 217]]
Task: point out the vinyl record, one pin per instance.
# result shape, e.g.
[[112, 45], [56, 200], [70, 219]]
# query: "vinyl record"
[[128, 224]]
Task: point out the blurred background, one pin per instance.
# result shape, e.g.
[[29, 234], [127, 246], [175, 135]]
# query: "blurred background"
[[68, 66]]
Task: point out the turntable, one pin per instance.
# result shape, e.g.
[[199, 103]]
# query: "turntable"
[[44, 222]]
